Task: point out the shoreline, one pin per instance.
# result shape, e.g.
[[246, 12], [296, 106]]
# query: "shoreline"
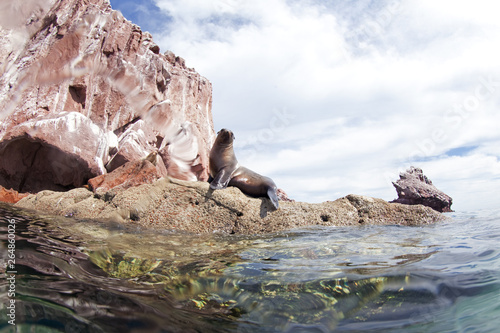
[[190, 206]]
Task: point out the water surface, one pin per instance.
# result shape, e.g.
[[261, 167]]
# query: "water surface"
[[86, 276]]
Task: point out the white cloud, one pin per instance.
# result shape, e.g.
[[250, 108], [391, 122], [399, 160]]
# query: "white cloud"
[[472, 181], [370, 87]]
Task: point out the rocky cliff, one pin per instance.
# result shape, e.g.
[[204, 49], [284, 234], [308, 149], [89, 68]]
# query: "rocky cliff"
[[83, 91]]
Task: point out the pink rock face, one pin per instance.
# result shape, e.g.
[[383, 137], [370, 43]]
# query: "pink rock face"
[[414, 188], [55, 152], [83, 91]]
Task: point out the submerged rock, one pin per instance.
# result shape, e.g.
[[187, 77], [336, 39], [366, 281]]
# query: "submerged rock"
[[192, 207], [414, 188]]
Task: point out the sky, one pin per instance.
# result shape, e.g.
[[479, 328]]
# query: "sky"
[[330, 98]]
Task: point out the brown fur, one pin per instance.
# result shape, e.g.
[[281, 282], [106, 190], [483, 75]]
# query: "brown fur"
[[226, 171]]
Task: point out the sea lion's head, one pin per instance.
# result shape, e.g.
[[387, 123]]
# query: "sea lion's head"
[[225, 137]]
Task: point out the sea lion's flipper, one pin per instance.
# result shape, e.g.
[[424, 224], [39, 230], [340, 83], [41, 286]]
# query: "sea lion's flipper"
[[221, 180], [274, 197]]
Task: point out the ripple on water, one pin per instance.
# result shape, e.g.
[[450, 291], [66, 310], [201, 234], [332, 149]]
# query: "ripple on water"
[[87, 276]]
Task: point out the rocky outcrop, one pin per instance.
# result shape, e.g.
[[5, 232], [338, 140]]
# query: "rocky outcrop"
[[191, 206], [414, 188], [83, 91]]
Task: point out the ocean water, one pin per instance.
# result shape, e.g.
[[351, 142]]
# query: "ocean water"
[[69, 275]]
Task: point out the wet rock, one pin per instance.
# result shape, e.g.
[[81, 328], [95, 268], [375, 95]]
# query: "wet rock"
[[414, 188], [11, 196], [191, 206], [105, 93]]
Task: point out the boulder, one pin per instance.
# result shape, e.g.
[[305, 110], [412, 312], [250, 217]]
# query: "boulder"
[[414, 188], [170, 204], [99, 89]]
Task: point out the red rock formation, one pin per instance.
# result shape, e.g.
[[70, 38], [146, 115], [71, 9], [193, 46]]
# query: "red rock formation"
[[11, 196], [128, 175], [83, 91], [414, 188]]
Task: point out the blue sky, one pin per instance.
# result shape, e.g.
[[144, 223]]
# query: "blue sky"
[[336, 97]]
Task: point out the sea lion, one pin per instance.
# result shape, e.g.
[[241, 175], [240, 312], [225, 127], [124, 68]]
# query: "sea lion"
[[226, 171]]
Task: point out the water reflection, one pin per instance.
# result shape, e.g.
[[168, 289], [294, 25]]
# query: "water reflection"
[[59, 288], [79, 276]]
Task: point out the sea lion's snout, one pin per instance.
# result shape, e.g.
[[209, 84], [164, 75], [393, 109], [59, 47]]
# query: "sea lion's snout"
[[225, 135]]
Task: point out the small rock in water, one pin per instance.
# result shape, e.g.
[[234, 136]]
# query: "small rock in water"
[[414, 188]]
